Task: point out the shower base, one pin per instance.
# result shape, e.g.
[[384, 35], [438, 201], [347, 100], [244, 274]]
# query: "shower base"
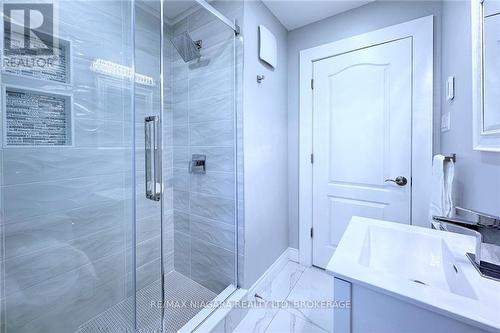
[[180, 294]]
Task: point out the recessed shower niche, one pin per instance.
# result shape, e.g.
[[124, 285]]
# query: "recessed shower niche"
[[53, 68], [36, 118]]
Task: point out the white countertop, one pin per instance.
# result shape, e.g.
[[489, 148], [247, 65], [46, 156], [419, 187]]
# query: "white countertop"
[[481, 305]]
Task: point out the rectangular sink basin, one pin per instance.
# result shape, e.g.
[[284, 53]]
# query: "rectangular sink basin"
[[427, 259], [422, 266]]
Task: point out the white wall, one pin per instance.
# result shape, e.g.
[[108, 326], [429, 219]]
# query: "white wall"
[[265, 146], [477, 173], [370, 17]]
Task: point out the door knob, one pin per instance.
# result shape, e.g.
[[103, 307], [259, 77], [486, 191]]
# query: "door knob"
[[400, 180]]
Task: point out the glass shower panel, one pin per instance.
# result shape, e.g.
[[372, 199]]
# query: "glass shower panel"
[[200, 134], [148, 122], [67, 174]]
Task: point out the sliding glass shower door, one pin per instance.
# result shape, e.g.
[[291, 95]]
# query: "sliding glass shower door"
[[67, 208], [119, 162], [148, 165], [200, 156]]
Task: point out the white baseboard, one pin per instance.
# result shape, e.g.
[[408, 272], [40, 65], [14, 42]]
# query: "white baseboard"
[[226, 319], [290, 254], [269, 274], [293, 254]]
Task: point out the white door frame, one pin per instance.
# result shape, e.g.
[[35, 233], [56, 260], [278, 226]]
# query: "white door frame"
[[421, 32]]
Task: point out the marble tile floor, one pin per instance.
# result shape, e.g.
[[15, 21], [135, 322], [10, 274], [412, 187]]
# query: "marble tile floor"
[[178, 290], [294, 283]]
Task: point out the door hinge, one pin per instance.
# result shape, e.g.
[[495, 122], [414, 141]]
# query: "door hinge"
[[312, 83], [312, 158], [311, 232]]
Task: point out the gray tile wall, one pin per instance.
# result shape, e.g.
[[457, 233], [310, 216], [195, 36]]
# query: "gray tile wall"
[[203, 107]]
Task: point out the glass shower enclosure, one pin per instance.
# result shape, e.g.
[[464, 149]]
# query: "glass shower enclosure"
[[119, 165]]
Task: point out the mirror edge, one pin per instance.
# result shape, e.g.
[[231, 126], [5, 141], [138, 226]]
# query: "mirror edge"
[[481, 141]]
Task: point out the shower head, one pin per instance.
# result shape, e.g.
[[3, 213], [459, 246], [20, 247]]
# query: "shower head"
[[186, 47]]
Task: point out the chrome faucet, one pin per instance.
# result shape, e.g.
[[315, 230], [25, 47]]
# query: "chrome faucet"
[[461, 227], [466, 221]]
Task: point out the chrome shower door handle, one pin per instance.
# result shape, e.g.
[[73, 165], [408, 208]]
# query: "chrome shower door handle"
[[400, 180], [152, 158]]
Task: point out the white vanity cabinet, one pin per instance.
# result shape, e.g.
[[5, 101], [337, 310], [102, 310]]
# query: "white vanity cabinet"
[[374, 311], [403, 278]]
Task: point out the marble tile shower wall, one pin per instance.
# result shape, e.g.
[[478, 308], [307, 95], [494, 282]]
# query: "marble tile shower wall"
[[66, 211], [203, 118]]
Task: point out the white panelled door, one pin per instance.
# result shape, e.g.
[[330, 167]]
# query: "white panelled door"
[[362, 104]]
